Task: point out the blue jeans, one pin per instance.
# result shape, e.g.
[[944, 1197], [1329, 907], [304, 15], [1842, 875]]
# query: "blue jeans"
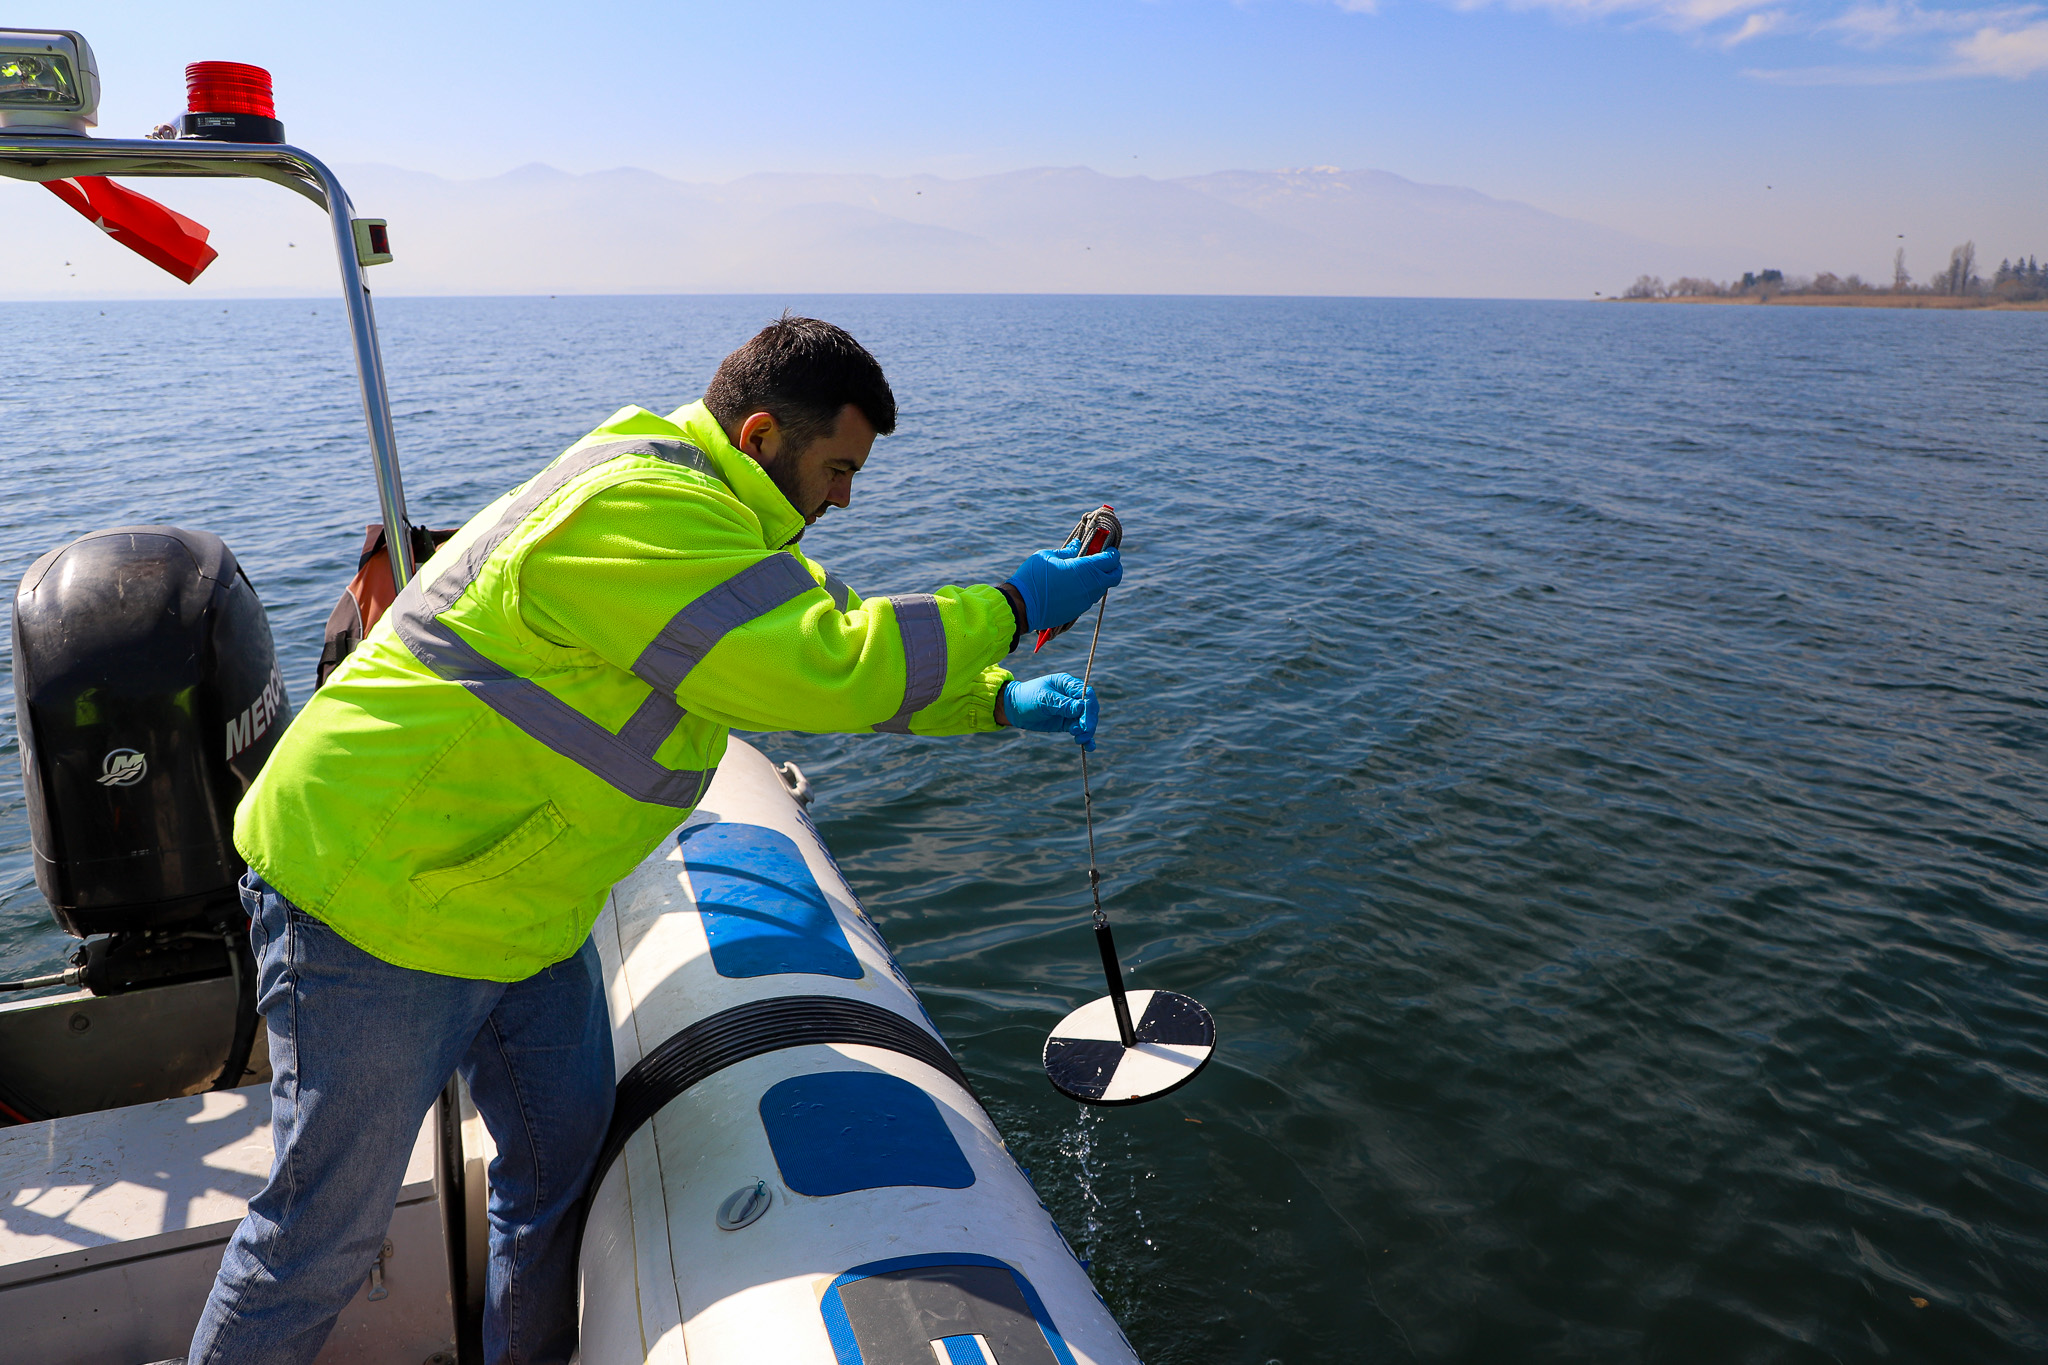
[[358, 1051]]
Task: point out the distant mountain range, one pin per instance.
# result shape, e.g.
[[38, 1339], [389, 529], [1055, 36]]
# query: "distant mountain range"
[[1051, 230]]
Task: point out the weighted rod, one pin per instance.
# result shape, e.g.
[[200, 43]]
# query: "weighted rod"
[[1113, 971]]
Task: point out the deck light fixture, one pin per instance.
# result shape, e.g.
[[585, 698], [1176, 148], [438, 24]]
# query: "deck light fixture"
[[50, 86], [49, 82]]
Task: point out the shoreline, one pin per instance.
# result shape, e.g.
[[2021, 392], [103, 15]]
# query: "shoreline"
[[1946, 301]]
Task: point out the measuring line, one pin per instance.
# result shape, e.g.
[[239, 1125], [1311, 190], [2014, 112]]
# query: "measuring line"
[[1111, 969]]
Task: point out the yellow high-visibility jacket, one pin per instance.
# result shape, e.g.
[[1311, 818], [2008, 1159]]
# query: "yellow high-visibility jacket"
[[549, 697]]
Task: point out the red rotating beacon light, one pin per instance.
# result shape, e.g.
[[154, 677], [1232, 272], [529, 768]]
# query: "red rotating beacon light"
[[229, 102]]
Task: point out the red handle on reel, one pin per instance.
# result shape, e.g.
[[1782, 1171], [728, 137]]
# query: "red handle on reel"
[[1097, 531]]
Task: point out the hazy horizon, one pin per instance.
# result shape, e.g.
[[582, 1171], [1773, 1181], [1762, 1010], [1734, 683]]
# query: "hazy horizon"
[[1046, 230], [1802, 135], [1303, 231]]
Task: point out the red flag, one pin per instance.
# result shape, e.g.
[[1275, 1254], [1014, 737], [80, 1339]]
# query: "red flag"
[[162, 236]]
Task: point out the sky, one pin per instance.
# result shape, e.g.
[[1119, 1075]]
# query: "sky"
[[1818, 134]]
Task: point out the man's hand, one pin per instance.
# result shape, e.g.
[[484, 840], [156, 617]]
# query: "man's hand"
[[1056, 702], [1058, 585]]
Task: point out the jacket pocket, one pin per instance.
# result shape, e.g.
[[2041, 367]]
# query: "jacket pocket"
[[508, 854]]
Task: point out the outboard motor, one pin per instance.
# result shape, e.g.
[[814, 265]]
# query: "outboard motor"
[[148, 696]]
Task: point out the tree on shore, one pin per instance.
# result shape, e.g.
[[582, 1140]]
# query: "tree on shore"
[[1961, 276], [2024, 282], [2021, 281]]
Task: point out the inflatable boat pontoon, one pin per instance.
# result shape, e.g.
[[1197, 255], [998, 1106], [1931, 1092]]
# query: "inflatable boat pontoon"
[[822, 1188]]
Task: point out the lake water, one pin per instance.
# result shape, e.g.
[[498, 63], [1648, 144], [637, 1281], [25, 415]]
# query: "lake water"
[[1589, 758]]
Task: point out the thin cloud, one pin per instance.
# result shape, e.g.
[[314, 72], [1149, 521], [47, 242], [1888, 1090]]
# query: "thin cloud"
[[1994, 51], [1756, 26], [1875, 26], [1845, 75], [1686, 15], [2012, 53], [2009, 41]]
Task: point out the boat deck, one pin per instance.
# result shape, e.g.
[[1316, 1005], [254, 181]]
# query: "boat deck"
[[112, 1225]]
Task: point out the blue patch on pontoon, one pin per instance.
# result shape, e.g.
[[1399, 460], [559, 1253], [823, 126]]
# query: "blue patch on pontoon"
[[835, 1131], [846, 1344], [763, 910]]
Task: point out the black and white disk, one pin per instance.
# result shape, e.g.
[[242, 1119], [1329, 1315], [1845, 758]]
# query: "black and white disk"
[[1085, 1058]]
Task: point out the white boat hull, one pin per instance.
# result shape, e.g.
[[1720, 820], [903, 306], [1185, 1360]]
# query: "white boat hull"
[[897, 1228]]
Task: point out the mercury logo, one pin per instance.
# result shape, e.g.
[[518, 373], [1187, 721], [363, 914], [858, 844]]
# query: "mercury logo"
[[254, 722], [122, 768]]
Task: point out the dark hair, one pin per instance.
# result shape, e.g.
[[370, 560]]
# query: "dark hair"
[[801, 372]]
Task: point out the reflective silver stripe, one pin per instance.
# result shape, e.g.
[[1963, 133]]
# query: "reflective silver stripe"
[[625, 760], [542, 486], [544, 716], [841, 594], [652, 722], [924, 657], [753, 592]]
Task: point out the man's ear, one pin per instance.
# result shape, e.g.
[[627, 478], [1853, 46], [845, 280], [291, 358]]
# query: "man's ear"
[[760, 437]]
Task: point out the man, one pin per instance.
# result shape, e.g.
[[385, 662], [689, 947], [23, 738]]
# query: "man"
[[436, 832]]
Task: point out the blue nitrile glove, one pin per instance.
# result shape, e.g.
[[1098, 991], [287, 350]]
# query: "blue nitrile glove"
[[1058, 585], [1056, 702]]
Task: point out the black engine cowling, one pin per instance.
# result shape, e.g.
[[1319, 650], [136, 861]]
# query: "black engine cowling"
[[148, 697]]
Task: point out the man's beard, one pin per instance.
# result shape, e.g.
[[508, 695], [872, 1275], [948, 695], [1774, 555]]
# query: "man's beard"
[[782, 472]]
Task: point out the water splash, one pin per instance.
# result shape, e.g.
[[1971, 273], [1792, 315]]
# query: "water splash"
[[1077, 1145]]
